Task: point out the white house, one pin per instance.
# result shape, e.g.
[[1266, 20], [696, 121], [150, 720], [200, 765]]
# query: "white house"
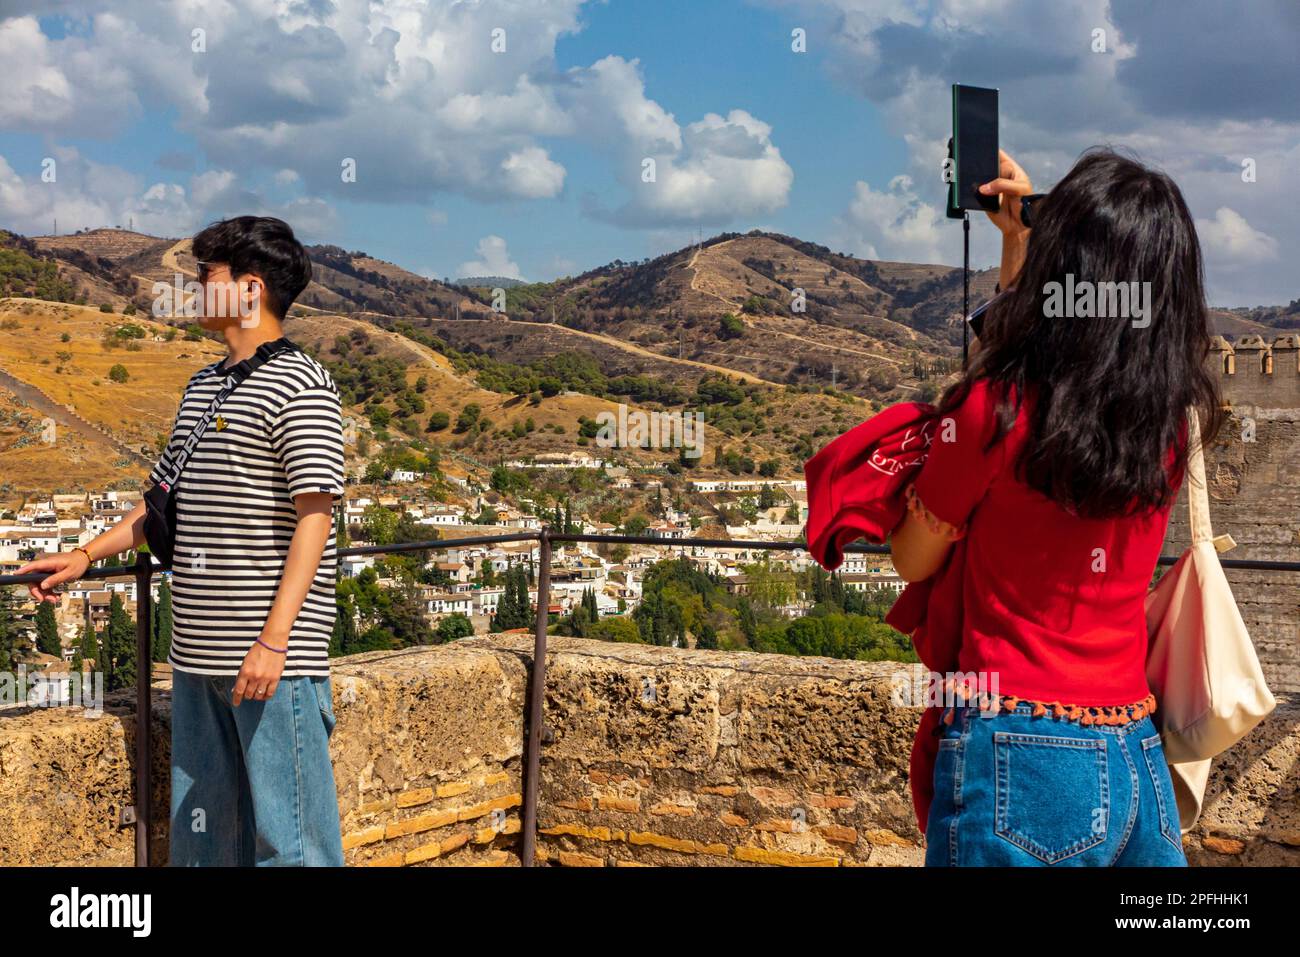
[[485, 600], [443, 515], [867, 582], [446, 603], [350, 566], [707, 485]]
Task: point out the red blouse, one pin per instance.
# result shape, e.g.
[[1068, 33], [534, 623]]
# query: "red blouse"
[[1053, 604]]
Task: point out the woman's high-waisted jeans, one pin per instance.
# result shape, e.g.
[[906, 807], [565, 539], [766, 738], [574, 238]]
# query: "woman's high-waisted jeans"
[[1012, 789]]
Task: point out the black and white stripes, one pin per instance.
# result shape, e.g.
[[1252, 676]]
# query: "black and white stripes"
[[278, 435]]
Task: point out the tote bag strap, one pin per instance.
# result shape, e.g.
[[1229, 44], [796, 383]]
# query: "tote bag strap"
[[1198, 498]]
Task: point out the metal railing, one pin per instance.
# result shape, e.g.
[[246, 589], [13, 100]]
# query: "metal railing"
[[140, 813]]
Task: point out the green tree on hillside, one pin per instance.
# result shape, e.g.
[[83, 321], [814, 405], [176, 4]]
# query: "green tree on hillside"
[[163, 621], [9, 633], [47, 631], [121, 646]]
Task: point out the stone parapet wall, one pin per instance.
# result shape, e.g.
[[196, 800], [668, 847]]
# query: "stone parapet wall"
[[654, 756]]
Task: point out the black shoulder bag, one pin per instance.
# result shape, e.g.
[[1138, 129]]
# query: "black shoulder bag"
[[160, 500]]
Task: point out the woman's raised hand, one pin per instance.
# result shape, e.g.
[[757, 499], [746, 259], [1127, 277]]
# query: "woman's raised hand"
[[1011, 184]]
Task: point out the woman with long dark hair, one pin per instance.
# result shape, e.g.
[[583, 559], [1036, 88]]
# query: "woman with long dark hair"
[[1058, 455]]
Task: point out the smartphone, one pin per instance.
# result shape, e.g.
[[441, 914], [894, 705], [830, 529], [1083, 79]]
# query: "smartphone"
[[974, 147]]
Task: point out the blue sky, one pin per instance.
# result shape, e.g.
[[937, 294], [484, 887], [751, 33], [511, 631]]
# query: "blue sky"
[[527, 160]]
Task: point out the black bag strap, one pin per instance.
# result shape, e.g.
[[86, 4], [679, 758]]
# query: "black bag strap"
[[234, 376]]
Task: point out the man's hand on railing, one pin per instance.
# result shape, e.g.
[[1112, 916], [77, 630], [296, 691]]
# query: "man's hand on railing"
[[67, 567]]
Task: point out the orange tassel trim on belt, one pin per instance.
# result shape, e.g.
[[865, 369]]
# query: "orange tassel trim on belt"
[[1084, 714]]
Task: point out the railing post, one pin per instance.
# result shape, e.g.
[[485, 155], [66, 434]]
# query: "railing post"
[[536, 699], [143, 707]]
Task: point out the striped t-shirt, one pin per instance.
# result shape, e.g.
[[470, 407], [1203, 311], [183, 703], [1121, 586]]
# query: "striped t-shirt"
[[279, 434]]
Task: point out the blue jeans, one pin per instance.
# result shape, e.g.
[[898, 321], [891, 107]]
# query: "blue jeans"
[[253, 785], [1016, 790]]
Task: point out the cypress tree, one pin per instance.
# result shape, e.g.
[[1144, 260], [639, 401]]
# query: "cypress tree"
[[121, 645], [344, 639], [8, 629], [506, 607], [47, 631], [163, 620], [89, 648]]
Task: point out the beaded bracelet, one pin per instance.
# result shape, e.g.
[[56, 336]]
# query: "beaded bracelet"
[[931, 521], [278, 650]]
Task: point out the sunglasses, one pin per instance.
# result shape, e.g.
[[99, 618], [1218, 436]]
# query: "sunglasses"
[[206, 268]]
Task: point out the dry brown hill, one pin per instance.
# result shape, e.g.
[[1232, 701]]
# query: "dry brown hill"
[[111, 428]]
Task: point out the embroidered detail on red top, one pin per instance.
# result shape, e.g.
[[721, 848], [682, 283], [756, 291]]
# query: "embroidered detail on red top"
[[1084, 714], [930, 520]]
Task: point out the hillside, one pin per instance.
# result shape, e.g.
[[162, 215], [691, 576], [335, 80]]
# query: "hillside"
[[721, 307], [758, 272], [705, 329], [105, 430], [395, 382], [355, 282], [417, 368], [880, 330], [732, 301]]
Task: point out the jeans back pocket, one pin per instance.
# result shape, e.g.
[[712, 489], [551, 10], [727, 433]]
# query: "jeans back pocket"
[[1053, 793], [1166, 802]]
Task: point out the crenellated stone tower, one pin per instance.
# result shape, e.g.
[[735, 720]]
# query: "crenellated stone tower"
[[1252, 372]]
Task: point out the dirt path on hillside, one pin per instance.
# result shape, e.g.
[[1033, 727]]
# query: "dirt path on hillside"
[[826, 345], [170, 261], [635, 350], [45, 405], [695, 273]]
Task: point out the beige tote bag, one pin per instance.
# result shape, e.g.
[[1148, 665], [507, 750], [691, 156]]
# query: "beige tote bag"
[[1201, 665]]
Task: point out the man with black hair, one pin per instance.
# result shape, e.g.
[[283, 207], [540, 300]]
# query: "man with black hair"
[[253, 573]]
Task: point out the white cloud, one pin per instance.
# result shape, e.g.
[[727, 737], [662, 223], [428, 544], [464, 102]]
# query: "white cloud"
[[1228, 238], [40, 92], [531, 173], [494, 260], [726, 168], [894, 223], [208, 187], [89, 195], [1190, 100], [412, 91]]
